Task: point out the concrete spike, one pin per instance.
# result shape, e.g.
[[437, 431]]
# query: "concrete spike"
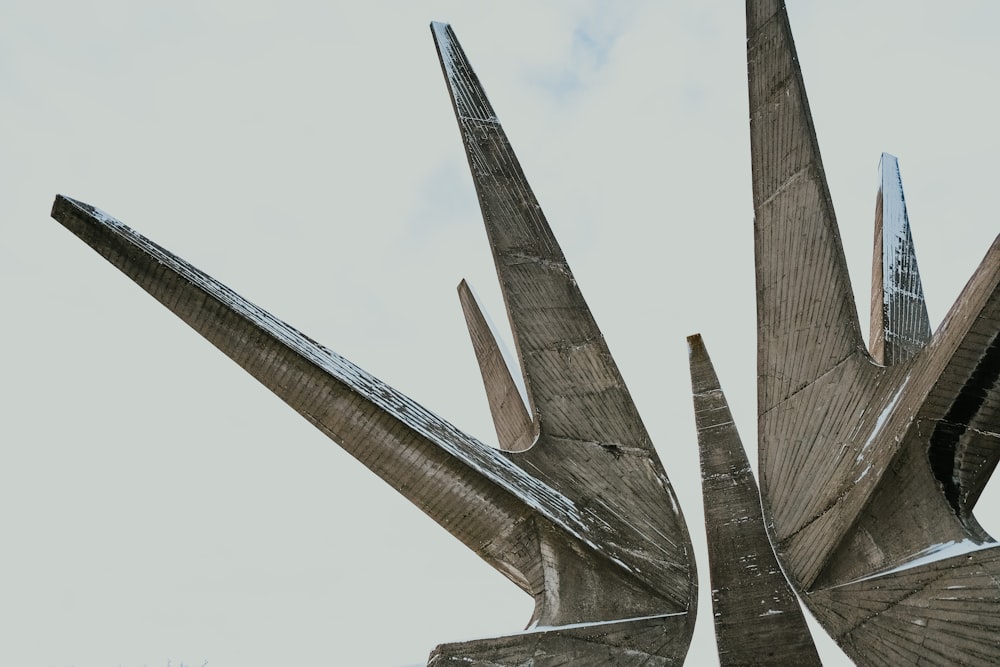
[[758, 620], [591, 442], [432, 463], [857, 514], [563, 552], [516, 431], [805, 305], [560, 347], [900, 326]]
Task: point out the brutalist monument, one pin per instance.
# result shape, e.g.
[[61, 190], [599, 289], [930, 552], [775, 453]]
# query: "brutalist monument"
[[871, 461]]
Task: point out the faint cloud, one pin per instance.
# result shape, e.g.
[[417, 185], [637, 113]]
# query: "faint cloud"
[[587, 53], [446, 201]]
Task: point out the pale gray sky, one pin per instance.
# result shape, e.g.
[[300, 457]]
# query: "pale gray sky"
[[158, 504]]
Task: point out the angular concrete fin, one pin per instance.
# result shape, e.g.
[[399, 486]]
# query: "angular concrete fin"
[[758, 620], [592, 445], [576, 388], [563, 552], [900, 326], [806, 317], [509, 403], [469, 488], [963, 401], [855, 512]]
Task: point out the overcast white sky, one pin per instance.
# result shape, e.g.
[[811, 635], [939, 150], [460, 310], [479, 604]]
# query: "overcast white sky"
[[159, 505]]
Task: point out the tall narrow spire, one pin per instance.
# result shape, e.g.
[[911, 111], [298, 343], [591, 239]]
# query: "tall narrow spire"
[[591, 443], [900, 326], [758, 620], [808, 314], [516, 430], [571, 377]]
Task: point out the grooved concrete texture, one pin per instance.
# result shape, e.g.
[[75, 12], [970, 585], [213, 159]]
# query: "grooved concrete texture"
[[867, 472], [758, 620], [578, 512]]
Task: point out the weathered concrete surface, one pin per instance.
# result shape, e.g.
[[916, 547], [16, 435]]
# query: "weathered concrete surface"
[[579, 513], [866, 527], [585, 436], [517, 430], [963, 457], [642, 642], [758, 620]]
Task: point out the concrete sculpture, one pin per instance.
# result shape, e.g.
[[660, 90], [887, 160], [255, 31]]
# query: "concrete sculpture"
[[868, 472], [575, 508], [758, 620], [871, 461]]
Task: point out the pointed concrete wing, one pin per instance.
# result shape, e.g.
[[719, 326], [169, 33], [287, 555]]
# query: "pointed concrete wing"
[[587, 440], [900, 326], [472, 490], [591, 444], [854, 455], [572, 380], [516, 431], [807, 326], [805, 303], [758, 620], [555, 549]]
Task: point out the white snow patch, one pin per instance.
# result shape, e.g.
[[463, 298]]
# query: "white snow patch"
[[880, 422], [932, 554], [592, 624]]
